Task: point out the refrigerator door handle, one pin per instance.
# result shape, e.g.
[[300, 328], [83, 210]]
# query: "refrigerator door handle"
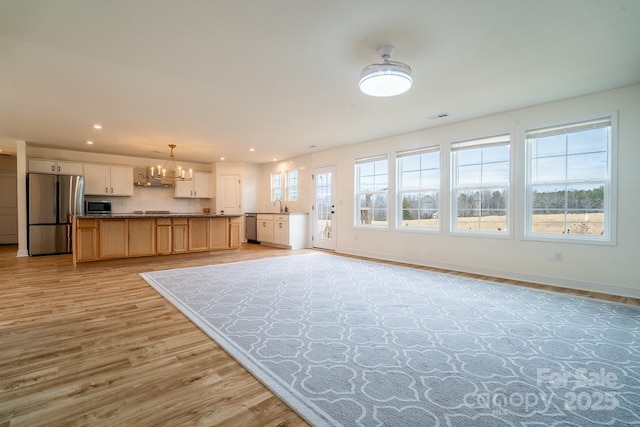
[[69, 244]]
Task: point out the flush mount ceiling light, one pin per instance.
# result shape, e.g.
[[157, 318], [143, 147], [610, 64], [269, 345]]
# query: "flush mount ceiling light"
[[387, 79]]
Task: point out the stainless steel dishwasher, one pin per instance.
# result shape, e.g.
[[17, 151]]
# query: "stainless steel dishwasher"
[[251, 227]]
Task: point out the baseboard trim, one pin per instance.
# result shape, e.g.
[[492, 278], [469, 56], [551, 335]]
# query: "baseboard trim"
[[603, 288]]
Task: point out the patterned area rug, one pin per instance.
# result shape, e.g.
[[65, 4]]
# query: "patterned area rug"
[[357, 343]]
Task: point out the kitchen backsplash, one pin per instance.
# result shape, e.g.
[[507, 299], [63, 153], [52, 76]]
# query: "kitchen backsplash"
[[155, 199]]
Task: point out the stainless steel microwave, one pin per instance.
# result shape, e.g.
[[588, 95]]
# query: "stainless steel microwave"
[[91, 207]]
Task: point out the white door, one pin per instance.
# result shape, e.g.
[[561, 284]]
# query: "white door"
[[230, 198], [324, 224]]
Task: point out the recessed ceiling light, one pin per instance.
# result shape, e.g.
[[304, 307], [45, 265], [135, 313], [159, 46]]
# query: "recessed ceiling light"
[[252, 149], [221, 158], [90, 142], [275, 160], [97, 126]]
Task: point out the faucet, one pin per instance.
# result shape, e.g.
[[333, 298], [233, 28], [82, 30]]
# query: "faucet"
[[274, 203]]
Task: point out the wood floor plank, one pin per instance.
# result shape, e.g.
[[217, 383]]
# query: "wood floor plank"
[[95, 345]]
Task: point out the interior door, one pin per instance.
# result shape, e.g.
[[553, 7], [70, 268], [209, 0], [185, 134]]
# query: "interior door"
[[230, 198], [324, 224]]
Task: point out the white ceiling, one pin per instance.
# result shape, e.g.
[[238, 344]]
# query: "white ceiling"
[[218, 77]]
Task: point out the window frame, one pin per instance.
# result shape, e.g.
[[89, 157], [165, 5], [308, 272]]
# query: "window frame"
[[500, 139], [289, 186], [400, 191], [357, 209], [275, 188], [609, 183]]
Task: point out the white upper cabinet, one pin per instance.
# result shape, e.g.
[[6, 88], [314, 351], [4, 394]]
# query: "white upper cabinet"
[[105, 180], [199, 187], [55, 167]]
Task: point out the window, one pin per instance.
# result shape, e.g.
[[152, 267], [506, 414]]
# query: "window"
[[372, 191], [568, 193], [480, 185], [292, 185], [419, 188], [276, 186]]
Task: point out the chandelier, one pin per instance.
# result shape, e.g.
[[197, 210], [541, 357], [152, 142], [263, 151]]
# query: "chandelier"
[[170, 171], [387, 79]]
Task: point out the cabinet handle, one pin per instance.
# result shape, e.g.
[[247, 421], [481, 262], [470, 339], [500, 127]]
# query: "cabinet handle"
[[59, 168], [106, 190], [53, 168]]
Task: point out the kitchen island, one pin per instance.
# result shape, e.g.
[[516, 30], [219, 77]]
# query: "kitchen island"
[[152, 233]]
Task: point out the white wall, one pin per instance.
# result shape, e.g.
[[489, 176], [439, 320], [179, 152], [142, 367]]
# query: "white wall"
[[305, 194], [600, 268]]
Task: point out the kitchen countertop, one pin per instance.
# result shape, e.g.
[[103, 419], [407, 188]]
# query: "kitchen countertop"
[[278, 213], [155, 215]]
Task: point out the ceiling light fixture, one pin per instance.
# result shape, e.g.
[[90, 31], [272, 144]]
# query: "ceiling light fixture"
[[387, 79], [170, 171]]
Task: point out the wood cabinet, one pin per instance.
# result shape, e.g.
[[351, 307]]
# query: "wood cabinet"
[[179, 235], [105, 180], [55, 167], [163, 236], [142, 237], [234, 232], [85, 241], [199, 187], [219, 233], [198, 234], [113, 238]]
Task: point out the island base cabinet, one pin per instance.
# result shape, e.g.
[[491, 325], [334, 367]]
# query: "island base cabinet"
[[113, 238], [179, 235], [163, 236], [234, 232], [219, 238], [198, 234], [142, 237], [85, 242]]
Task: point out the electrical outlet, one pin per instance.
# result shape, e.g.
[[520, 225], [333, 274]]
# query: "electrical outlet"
[[557, 256]]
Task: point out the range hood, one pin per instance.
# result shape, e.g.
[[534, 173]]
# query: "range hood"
[[141, 179]]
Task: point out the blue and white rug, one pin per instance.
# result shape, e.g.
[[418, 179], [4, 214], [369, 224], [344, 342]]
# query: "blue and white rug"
[[357, 343]]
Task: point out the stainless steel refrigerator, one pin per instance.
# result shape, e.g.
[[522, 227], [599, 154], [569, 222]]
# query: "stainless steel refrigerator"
[[53, 200]]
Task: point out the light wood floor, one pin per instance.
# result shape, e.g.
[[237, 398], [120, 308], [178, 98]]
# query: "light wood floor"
[[96, 345]]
